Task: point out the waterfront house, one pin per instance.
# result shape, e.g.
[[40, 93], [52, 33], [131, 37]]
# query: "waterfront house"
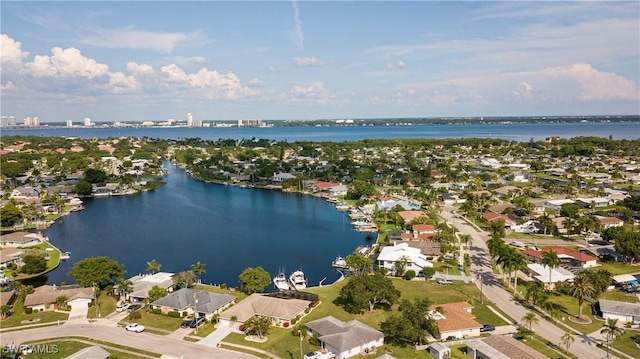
[[423, 231], [501, 347], [430, 249], [345, 339], [556, 204], [142, 284], [45, 297], [455, 320], [390, 255], [595, 201], [206, 304], [20, 239], [9, 256], [409, 216], [279, 310], [623, 311], [26, 194]]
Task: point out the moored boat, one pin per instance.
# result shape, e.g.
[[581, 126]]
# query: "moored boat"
[[339, 262], [65, 255], [280, 281], [297, 280]]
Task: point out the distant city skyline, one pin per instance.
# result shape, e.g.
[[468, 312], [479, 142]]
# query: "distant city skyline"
[[305, 60]]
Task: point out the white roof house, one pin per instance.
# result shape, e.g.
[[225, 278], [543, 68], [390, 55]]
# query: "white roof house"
[[142, 284], [541, 273], [389, 255]]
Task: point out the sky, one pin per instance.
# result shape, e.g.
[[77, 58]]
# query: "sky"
[[303, 60]]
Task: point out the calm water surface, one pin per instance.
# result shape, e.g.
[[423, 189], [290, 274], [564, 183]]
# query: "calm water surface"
[[515, 132], [226, 227]]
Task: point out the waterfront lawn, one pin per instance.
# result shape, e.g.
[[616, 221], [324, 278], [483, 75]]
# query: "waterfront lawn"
[[217, 289], [618, 268]]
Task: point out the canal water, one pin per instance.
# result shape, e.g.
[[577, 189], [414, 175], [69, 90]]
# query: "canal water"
[[228, 228]]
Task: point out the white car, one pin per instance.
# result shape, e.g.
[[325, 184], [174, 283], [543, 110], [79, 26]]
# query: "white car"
[[517, 244], [135, 327], [445, 282], [121, 307]]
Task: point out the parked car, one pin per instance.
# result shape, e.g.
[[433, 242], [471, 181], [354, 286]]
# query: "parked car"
[[516, 244], [487, 328], [451, 337], [186, 324], [196, 323], [135, 327], [445, 282], [134, 307], [121, 307]]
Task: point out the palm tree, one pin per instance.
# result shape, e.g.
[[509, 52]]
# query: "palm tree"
[[198, 269], [568, 224], [551, 260], [534, 290], [153, 266], [567, 339], [495, 245], [530, 318], [611, 332], [580, 290], [518, 263], [5, 310], [124, 286]]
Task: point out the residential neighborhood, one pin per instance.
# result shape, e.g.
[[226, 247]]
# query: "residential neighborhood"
[[485, 248]]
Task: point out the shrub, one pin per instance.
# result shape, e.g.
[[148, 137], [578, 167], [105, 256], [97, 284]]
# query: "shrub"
[[410, 274], [241, 327], [28, 310], [156, 311], [184, 314], [285, 324], [174, 314], [306, 310], [223, 286]]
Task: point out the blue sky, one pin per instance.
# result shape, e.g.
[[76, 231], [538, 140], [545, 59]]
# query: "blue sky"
[[155, 60]]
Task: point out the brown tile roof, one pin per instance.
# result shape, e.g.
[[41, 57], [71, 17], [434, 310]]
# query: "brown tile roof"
[[579, 256], [411, 215], [258, 304], [427, 248], [456, 317], [512, 348], [423, 227]]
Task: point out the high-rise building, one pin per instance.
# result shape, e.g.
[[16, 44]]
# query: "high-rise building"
[[69, 123], [87, 121], [189, 119], [31, 121]]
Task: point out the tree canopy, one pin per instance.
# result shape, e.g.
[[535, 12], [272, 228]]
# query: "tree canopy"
[[101, 271], [365, 292], [254, 280], [412, 324]]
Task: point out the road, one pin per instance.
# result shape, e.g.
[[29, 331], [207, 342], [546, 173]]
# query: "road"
[[583, 347], [169, 347]]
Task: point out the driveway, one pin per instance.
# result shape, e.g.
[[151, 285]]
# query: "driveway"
[[78, 314], [216, 337]]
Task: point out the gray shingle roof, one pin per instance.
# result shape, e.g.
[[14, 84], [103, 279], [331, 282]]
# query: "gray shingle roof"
[[615, 307], [184, 298], [343, 335]]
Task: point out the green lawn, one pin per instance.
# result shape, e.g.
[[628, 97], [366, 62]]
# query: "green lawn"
[[619, 268], [626, 345], [159, 321], [214, 289], [64, 347], [16, 319], [106, 304], [545, 347]]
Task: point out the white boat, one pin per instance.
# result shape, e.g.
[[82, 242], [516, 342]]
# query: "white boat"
[[297, 280], [339, 262], [280, 281], [342, 206], [65, 255]]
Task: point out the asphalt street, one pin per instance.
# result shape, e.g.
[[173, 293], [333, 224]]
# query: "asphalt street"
[[583, 347]]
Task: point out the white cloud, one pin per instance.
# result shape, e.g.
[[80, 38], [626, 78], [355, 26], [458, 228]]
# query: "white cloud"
[[140, 69], [137, 39], [399, 65], [307, 61], [12, 53], [66, 63], [523, 90]]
